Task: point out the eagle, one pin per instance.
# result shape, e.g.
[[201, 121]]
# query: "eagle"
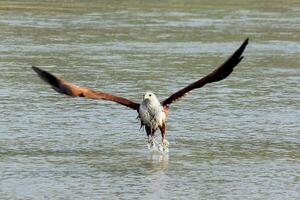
[[152, 113]]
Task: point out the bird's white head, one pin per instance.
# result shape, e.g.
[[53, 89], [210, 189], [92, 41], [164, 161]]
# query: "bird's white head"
[[149, 96]]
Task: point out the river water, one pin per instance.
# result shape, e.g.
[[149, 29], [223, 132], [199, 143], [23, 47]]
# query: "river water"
[[235, 139]]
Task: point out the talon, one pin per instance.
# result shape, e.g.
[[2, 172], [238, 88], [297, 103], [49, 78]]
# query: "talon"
[[164, 141], [165, 144], [150, 141]]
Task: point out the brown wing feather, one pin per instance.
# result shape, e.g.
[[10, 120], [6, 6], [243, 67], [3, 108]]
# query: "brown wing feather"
[[218, 74], [64, 87]]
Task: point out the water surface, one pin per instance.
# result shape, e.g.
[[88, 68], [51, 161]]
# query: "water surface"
[[236, 139]]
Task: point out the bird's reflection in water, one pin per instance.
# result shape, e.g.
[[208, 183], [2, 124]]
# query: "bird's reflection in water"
[[157, 161]]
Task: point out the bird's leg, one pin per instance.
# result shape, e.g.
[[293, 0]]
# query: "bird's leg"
[[152, 135], [149, 134], [148, 138], [163, 134], [152, 132]]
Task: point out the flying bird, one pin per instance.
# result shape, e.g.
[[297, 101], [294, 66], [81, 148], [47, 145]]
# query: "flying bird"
[[151, 112]]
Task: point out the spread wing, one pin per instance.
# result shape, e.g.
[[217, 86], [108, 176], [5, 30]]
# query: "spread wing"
[[218, 74], [64, 87]]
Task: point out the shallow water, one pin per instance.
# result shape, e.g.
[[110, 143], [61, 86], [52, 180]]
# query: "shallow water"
[[235, 139]]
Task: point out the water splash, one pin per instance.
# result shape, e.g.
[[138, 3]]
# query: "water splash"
[[156, 146]]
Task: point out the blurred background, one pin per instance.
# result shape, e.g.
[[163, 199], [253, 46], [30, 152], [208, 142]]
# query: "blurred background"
[[234, 139]]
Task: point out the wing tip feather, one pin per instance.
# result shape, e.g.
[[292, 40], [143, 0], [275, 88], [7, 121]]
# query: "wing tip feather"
[[47, 77], [245, 43]]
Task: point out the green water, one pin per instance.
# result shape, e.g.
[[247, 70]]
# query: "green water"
[[236, 139]]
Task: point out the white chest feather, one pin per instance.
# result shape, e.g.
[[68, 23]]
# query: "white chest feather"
[[151, 114]]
